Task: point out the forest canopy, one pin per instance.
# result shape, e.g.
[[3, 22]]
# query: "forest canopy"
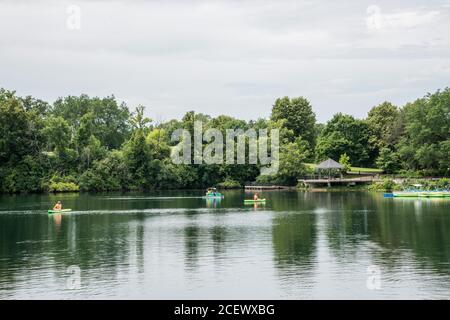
[[98, 144]]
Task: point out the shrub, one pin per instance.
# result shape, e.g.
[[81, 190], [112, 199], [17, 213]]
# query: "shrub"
[[388, 160], [26, 176], [410, 174], [63, 187], [106, 175], [229, 184], [443, 183], [63, 184], [345, 161], [385, 185]]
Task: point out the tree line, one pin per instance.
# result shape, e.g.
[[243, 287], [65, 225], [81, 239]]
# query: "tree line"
[[98, 144]]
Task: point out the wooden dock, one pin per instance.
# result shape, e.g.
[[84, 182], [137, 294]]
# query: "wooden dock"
[[340, 181], [262, 188]]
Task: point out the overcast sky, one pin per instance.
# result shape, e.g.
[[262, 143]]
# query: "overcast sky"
[[227, 57]]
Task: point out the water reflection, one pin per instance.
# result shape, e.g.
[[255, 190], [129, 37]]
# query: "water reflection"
[[294, 239], [213, 203], [298, 245]]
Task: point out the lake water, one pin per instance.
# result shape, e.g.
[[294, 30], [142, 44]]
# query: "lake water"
[[175, 245]]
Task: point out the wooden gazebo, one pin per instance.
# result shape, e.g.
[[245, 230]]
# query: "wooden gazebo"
[[329, 166]]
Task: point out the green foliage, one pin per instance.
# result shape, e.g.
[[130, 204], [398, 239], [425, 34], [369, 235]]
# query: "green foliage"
[[63, 187], [139, 161], [388, 161], [183, 176], [138, 120], [299, 117], [19, 134], [385, 185], [425, 146], [28, 175], [443, 184], [291, 165], [385, 125], [292, 159], [344, 159], [97, 144], [157, 142], [102, 117], [271, 179], [110, 173], [410, 174], [229, 184], [57, 133], [142, 153], [345, 134], [431, 185], [63, 184], [92, 151]]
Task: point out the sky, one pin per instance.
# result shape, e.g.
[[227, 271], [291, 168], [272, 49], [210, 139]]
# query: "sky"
[[227, 57]]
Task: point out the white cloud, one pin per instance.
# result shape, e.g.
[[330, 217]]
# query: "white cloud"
[[377, 20], [232, 57]]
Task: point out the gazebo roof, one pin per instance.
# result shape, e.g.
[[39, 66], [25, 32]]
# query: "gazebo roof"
[[329, 164]]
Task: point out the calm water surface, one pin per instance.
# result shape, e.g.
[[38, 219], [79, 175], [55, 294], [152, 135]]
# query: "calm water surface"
[[176, 245]]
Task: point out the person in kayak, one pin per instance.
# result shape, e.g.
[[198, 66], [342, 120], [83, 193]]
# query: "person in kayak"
[[255, 197], [58, 206]]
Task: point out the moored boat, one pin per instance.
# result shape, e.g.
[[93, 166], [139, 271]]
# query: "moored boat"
[[435, 194], [406, 194], [421, 194]]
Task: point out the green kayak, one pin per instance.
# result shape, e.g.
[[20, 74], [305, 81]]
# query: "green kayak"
[[405, 194], [59, 211], [254, 201], [434, 194], [422, 194]]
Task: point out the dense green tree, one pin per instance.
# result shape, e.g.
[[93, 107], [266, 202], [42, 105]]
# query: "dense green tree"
[[57, 133], [299, 117], [444, 161], [388, 161], [141, 163], [85, 130], [261, 123], [345, 134], [293, 156], [138, 119], [427, 130], [92, 151], [344, 159], [383, 121], [110, 173], [157, 141], [139, 160], [98, 144], [19, 135], [224, 123], [28, 175], [104, 117]]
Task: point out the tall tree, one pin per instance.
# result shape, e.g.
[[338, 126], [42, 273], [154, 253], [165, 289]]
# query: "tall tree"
[[293, 155], [345, 134], [299, 117], [138, 154], [108, 120], [427, 130], [385, 125], [19, 131], [57, 132]]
